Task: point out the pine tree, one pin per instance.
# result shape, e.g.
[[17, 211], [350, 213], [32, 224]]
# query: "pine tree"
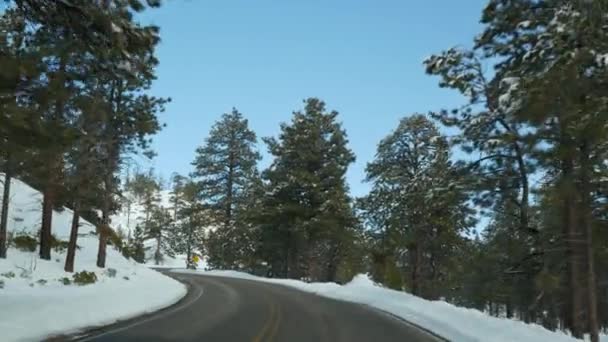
[[307, 219], [557, 60], [138, 252], [54, 96], [500, 145], [417, 205], [160, 226], [177, 193], [146, 190], [127, 75], [189, 233], [225, 167], [83, 172], [18, 127]]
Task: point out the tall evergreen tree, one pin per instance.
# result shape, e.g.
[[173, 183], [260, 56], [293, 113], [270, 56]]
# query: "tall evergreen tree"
[[83, 181], [160, 227], [126, 73], [19, 126], [557, 59], [136, 246], [225, 168], [418, 203], [307, 217]]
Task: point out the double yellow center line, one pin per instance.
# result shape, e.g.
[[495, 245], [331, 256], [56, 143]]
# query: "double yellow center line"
[[271, 326]]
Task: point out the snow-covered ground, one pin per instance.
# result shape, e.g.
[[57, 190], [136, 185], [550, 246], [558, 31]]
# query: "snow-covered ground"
[[34, 302], [449, 321]]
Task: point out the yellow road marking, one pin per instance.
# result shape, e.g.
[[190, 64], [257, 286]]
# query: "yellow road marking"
[[267, 325], [275, 327]]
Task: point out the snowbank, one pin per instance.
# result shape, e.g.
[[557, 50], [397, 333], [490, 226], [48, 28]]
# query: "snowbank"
[[34, 302], [449, 321]]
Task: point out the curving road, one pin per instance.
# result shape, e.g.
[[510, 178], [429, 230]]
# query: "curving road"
[[231, 310]]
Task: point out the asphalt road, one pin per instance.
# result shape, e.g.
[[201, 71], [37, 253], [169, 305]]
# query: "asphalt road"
[[231, 310]]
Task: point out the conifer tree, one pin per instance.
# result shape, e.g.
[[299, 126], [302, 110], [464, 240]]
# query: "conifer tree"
[[160, 226], [18, 125], [225, 167], [418, 205], [307, 219], [136, 247], [189, 231], [557, 60]]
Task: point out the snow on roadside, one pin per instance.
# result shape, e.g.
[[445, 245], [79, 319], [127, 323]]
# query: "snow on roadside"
[[36, 304], [33, 312], [446, 320]]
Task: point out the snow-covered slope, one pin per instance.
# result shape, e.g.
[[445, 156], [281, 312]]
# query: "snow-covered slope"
[[25, 212], [449, 321], [36, 304]]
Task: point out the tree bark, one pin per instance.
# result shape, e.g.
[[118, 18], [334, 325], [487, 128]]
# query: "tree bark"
[[586, 222], [105, 211], [47, 220], [157, 254], [5, 206], [229, 191], [415, 269], [55, 165], [104, 226], [189, 262], [69, 259], [572, 237]]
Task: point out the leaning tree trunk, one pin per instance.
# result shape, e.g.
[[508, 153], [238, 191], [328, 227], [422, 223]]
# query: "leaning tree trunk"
[[5, 201], [69, 259], [586, 222]]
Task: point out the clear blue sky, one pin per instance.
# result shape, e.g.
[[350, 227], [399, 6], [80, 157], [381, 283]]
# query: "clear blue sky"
[[362, 57]]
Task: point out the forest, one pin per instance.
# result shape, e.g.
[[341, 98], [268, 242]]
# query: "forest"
[[500, 204]]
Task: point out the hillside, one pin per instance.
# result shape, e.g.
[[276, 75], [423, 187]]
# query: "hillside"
[[36, 298]]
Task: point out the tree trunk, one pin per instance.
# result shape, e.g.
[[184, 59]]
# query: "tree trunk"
[[332, 265], [105, 221], [293, 259], [572, 249], [55, 164], [189, 262], [157, 254], [129, 216], [175, 204], [69, 259], [5, 202], [47, 218], [229, 195], [107, 203], [103, 243], [586, 222], [415, 269]]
